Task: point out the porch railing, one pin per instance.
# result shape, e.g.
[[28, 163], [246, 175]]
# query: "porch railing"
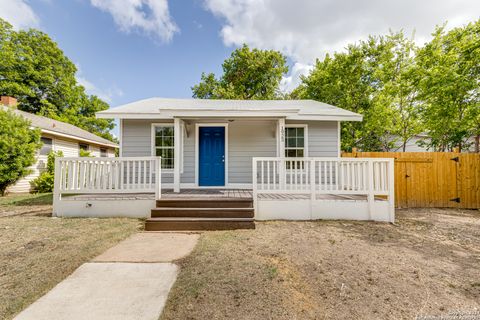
[[86, 175], [369, 177]]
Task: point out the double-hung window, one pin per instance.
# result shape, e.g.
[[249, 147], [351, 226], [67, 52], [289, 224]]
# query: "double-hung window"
[[296, 141], [163, 135]]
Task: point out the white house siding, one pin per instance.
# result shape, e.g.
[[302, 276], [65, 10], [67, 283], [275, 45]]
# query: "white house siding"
[[246, 139]]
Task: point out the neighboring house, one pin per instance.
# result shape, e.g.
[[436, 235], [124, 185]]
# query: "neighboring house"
[[57, 136], [414, 144]]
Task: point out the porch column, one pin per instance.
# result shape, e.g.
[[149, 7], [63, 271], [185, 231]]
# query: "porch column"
[[176, 154], [281, 152]]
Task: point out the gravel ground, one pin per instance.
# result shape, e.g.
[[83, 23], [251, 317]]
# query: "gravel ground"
[[426, 264]]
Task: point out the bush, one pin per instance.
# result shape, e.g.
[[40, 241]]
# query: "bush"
[[18, 147], [45, 182], [84, 153]]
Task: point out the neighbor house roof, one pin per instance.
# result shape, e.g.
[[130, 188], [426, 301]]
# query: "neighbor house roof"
[[164, 108], [59, 128]]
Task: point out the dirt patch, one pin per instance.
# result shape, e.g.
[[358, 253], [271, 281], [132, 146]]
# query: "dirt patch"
[[38, 252], [426, 264]]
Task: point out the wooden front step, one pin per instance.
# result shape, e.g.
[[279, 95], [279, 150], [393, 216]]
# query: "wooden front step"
[[206, 203], [180, 224], [177, 212]]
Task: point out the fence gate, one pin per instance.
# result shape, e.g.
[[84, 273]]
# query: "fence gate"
[[433, 179]]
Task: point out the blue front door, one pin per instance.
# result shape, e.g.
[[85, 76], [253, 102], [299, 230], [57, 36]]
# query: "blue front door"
[[211, 156]]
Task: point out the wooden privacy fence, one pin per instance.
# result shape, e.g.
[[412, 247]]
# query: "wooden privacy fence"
[[433, 179]]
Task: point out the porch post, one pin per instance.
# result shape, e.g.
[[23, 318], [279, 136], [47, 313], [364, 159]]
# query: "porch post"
[[281, 151], [176, 155]]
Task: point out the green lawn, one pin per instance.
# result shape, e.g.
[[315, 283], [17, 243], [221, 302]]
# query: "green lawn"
[[26, 199]]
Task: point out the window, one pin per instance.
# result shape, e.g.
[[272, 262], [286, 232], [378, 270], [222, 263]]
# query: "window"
[[103, 152], [164, 144], [83, 146], [46, 146], [295, 141]]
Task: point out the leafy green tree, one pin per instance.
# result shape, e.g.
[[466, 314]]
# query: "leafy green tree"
[[247, 75], [450, 86], [375, 78], [35, 71], [18, 147], [46, 180]]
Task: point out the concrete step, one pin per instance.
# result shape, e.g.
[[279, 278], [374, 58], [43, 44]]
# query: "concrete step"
[[181, 224], [166, 212], [206, 203]]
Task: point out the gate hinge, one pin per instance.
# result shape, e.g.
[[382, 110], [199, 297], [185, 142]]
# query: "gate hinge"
[[457, 200], [456, 159]]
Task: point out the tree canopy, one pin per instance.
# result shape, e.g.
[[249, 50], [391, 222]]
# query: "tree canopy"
[[36, 71], [402, 90], [247, 74]]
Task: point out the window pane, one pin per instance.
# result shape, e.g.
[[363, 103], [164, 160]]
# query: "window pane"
[[291, 132], [290, 153], [300, 142], [46, 147], [300, 153], [291, 143]]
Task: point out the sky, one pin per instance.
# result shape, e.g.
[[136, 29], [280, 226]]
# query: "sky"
[[126, 50]]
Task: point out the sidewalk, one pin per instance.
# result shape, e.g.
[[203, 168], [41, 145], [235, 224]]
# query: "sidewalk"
[[129, 281]]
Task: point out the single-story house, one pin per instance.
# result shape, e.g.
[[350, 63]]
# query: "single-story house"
[[57, 136], [265, 150]]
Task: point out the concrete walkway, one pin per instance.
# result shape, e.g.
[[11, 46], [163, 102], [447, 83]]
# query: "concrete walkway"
[[125, 282]]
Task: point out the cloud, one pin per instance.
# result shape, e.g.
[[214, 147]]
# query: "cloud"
[[18, 13], [306, 29], [292, 81], [151, 17], [107, 94]]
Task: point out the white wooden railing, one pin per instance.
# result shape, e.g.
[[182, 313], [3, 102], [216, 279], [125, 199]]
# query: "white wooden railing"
[[354, 176], [87, 175]]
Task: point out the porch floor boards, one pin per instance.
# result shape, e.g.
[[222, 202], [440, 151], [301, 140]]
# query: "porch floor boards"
[[217, 194]]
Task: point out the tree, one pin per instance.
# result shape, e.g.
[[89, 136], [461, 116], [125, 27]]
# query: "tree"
[[375, 78], [35, 71], [18, 147], [450, 86], [247, 74]]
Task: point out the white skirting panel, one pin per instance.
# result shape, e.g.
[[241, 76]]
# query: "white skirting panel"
[[303, 209], [104, 208]]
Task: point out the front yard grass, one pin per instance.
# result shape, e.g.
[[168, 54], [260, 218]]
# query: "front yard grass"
[[37, 252], [426, 264]]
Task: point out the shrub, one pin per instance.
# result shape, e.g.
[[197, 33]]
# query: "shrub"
[[18, 147], [84, 153], [45, 182]]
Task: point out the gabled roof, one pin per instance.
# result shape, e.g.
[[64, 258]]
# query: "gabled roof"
[[164, 108], [59, 128]]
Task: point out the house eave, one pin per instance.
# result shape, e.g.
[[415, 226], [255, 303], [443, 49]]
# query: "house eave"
[[69, 136]]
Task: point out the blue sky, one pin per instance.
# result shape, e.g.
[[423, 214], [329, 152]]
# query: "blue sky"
[[124, 67], [133, 49]]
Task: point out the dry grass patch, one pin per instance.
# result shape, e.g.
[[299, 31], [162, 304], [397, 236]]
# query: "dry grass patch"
[[38, 252], [426, 264]]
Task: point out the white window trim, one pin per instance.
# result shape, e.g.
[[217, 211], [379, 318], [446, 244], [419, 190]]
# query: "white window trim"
[[152, 144], [305, 138], [197, 158]]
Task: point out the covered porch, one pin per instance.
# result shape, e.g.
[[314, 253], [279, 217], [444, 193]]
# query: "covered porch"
[[282, 188]]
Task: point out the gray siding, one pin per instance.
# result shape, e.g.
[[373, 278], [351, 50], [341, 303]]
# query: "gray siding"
[[246, 139], [322, 138]]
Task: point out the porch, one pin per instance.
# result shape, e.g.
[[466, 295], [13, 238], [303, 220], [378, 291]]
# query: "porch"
[[282, 188]]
